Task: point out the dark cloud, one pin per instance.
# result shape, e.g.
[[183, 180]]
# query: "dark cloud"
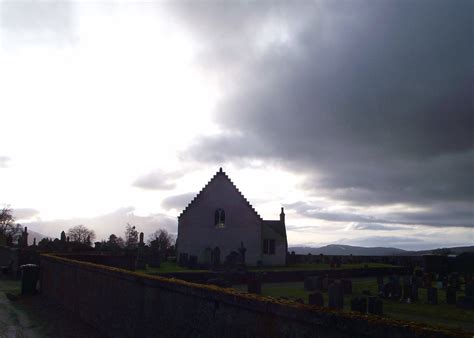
[[374, 99], [37, 22], [444, 215], [111, 223], [376, 226], [178, 202], [4, 161], [24, 213], [157, 180]]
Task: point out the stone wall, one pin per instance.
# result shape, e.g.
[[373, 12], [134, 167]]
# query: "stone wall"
[[125, 304]]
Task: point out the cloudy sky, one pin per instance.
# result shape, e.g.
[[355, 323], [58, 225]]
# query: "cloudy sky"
[[356, 116]]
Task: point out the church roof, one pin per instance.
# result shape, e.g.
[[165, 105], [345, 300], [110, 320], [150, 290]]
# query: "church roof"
[[219, 173], [276, 226]]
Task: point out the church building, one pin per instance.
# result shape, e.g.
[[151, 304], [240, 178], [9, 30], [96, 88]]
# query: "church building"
[[220, 223]]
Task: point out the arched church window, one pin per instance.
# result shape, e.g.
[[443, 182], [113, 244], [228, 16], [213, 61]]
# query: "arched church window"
[[219, 218]]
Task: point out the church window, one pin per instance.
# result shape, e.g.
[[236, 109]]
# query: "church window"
[[269, 246], [219, 218]]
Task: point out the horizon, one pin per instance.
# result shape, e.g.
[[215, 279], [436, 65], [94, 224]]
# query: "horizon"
[[361, 128]]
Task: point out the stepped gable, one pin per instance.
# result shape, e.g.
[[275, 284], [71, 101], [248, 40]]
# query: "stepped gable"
[[220, 172]]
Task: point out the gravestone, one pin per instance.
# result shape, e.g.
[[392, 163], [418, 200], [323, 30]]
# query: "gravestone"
[[371, 305], [387, 290], [311, 283], [454, 281], [192, 262], [325, 283], [183, 259], [379, 307], [359, 304], [407, 291], [427, 281], [414, 292], [470, 290], [432, 296], [450, 295], [347, 286], [316, 298], [380, 283], [467, 302], [254, 285], [336, 296]]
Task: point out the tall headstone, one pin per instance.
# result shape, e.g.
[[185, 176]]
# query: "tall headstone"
[[379, 307], [407, 291], [414, 292], [380, 283], [450, 295], [432, 295], [63, 236], [371, 305], [336, 296]]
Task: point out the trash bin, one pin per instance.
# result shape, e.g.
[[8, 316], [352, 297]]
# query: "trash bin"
[[29, 278]]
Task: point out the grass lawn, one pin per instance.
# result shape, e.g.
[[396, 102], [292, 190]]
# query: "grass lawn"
[[167, 267], [437, 315], [321, 266]]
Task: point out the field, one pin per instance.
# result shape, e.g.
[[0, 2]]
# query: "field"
[[168, 267], [436, 315]]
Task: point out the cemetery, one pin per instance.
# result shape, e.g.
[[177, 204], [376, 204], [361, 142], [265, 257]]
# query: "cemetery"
[[403, 301]]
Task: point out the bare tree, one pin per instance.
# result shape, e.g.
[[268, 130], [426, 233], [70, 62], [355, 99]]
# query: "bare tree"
[[131, 236], [81, 234], [115, 243], [161, 240], [8, 227]]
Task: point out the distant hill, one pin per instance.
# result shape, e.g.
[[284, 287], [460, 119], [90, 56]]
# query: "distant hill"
[[339, 249]]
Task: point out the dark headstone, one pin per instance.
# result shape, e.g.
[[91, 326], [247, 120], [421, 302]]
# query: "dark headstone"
[[427, 281], [432, 295], [371, 305], [359, 304], [311, 283], [183, 259], [380, 282], [379, 307], [325, 283], [29, 278], [192, 262], [254, 285], [347, 286], [336, 296], [316, 298], [450, 295], [470, 290], [407, 291], [387, 290], [414, 292]]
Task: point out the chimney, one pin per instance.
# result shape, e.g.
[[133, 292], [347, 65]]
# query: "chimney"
[[282, 216]]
